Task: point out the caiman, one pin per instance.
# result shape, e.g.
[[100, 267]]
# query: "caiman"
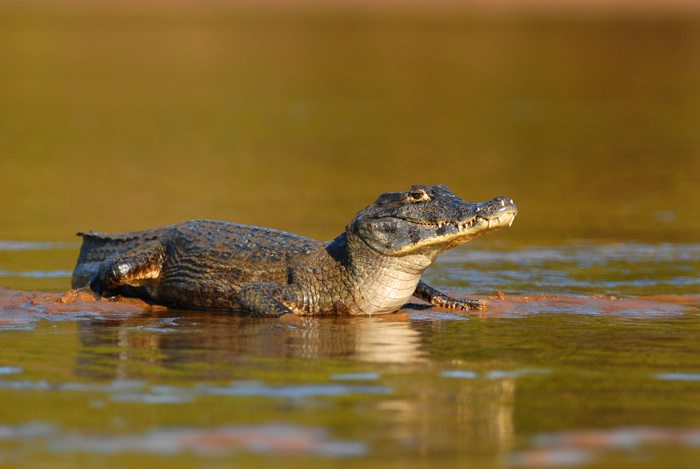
[[375, 266]]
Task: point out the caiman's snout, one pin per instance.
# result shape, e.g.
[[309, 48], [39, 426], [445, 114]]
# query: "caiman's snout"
[[495, 213], [481, 217]]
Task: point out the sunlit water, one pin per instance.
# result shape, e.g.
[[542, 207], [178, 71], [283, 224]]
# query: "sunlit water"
[[556, 387], [125, 119]]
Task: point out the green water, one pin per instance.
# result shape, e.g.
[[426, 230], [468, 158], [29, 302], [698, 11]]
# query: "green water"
[[124, 119]]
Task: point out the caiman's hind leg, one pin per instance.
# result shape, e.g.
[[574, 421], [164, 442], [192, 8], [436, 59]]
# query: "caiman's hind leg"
[[427, 293], [264, 300], [133, 268]]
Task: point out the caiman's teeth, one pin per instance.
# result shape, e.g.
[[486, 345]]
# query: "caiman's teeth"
[[461, 226], [511, 221]]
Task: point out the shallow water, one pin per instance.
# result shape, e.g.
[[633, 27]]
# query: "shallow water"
[[126, 119], [597, 381]]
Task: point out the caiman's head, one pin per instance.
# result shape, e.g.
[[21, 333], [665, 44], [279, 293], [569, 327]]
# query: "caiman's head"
[[427, 220]]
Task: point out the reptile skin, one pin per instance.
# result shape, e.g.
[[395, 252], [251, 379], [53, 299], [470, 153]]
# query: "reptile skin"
[[374, 266]]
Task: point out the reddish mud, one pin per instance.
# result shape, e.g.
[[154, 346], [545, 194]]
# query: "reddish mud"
[[652, 305], [21, 307]]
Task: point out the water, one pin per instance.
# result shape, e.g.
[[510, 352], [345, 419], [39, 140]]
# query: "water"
[[128, 118]]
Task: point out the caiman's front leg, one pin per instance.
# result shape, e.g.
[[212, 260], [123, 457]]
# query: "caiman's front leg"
[[264, 300], [427, 293]]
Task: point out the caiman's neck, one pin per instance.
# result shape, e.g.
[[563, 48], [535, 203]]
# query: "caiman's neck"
[[378, 283]]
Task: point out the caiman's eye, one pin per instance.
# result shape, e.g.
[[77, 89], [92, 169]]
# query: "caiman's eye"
[[418, 195]]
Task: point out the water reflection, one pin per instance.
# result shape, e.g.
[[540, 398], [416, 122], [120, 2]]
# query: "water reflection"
[[216, 337], [418, 407], [476, 416], [414, 384]]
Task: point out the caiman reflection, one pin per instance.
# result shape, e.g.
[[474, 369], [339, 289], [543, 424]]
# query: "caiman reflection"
[[212, 346], [215, 338]]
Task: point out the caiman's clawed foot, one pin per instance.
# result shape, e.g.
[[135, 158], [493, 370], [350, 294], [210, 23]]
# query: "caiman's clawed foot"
[[435, 297], [467, 304]]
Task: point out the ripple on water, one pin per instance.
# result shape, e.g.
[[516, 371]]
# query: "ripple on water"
[[551, 458], [582, 447], [42, 274], [206, 441], [493, 374], [296, 392], [7, 245], [217, 441], [26, 431], [140, 391], [592, 268], [367, 376], [581, 254], [678, 376]]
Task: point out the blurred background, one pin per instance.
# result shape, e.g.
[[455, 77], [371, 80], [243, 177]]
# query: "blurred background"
[[125, 115]]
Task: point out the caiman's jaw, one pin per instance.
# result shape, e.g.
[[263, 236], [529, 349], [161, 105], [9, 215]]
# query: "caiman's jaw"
[[446, 234], [428, 220]]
